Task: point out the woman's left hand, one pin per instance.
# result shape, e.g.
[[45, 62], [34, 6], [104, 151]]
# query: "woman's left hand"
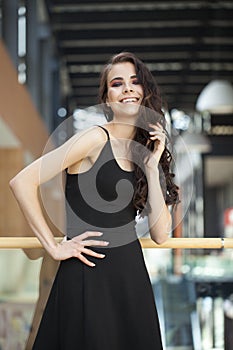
[[158, 135]]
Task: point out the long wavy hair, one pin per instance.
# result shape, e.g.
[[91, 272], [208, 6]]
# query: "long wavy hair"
[[149, 112]]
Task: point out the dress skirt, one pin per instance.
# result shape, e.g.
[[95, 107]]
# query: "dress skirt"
[[107, 307]]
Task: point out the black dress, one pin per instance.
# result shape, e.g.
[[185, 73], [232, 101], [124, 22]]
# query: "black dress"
[[110, 306]]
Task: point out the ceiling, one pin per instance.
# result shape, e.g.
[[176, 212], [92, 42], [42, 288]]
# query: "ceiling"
[[184, 43]]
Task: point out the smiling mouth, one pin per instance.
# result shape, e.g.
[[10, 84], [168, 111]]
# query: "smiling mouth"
[[129, 100]]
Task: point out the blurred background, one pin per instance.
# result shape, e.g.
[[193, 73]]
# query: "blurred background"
[[51, 55]]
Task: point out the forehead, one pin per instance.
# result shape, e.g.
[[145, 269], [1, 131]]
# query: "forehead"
[[123, 70]]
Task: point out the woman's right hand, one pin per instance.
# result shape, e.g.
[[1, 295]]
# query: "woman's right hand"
[[77, 246]]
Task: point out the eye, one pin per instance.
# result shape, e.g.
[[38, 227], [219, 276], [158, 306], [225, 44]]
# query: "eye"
[[135, 81], [116, 84]]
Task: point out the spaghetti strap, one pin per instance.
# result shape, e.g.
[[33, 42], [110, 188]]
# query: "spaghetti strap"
[[106, 131]]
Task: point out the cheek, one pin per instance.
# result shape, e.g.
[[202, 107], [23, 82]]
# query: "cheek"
[[140, 90], [111, 95]]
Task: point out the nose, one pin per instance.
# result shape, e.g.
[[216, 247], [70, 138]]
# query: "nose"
[[128, 88]]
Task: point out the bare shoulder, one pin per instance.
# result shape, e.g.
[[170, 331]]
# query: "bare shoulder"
[[86, 143], [96, 132], [89, 138]]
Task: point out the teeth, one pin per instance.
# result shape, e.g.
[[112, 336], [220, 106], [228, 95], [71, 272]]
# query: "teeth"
[[128, 100]]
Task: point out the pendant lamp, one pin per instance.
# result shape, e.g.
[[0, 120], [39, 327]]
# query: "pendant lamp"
[[216, 98]]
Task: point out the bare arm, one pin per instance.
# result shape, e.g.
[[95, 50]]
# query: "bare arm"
[[159, 217], [25, 187]]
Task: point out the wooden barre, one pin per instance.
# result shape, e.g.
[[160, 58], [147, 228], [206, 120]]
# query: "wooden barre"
[[173, 243]]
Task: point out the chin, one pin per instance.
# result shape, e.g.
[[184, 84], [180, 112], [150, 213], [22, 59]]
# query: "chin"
[[129, 110]]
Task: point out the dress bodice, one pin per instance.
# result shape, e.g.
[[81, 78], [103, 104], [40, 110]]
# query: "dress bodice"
[[100, 199]]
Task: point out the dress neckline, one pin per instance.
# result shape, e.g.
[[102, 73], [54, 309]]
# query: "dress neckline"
[[109, 141]]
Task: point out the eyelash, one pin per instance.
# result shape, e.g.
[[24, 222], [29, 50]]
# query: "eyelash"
[[116, 84]]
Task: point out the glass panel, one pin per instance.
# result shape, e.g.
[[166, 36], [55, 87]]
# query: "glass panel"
[[19, 285]]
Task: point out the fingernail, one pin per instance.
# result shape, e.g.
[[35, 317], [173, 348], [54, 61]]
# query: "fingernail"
[[92, 265], [102, 255], [106, 242]]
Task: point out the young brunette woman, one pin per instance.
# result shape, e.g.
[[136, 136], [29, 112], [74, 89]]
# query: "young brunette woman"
[[102, 297]]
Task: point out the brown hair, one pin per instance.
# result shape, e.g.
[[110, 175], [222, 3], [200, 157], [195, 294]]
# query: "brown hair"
[[150, 112]]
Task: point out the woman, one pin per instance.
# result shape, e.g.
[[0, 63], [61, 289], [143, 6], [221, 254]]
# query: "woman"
[[102, 297]]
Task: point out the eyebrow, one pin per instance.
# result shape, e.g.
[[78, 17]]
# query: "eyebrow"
[[120, 78]]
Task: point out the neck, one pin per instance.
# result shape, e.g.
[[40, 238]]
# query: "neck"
[[122, 129]]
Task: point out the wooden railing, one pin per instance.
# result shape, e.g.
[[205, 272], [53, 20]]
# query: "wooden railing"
[[173, 243]]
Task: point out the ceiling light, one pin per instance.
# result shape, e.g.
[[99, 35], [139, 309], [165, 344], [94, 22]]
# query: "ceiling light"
[[216, 98]]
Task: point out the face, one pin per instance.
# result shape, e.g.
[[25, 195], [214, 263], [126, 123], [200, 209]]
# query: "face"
[[125, 94]]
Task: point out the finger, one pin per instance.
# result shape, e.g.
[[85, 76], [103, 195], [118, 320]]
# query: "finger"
[[157, 125], [92, 242], [92, 253], [89, 234], [157, 132], [85, 260], [159, 137]]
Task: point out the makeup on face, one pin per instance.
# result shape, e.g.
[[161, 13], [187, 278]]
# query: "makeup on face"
[[118, 81], [123, 84]]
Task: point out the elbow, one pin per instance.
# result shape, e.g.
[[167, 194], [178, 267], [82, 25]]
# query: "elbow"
[[13, 183], [16, 184], [160, 233], [20, 184], [160, 239]]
